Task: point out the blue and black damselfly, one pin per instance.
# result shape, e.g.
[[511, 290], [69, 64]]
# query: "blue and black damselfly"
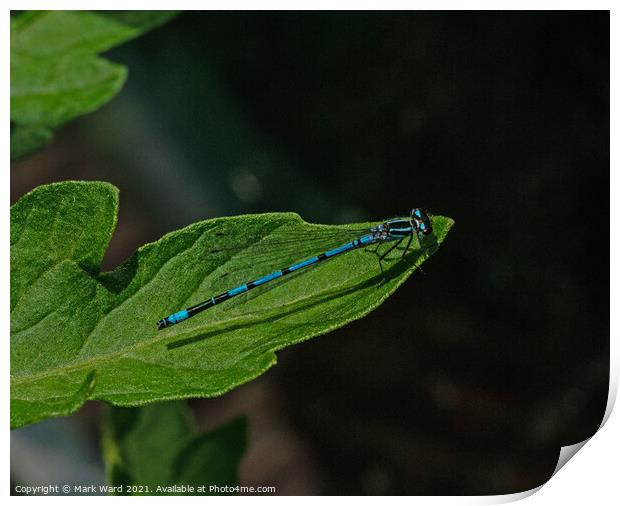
[[393, 231]]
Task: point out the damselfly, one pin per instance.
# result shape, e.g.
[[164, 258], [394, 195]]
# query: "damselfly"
[[393, 231]]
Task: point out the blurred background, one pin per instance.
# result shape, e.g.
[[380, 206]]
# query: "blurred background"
[[500, 352]]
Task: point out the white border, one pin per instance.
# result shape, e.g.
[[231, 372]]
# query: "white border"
[[590, 477]]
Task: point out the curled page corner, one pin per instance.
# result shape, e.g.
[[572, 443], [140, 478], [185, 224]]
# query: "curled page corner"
[[566, 452]]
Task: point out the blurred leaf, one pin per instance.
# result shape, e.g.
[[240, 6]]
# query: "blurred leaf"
[[156, 445], [69, 321], [56, 74], [28, 138]]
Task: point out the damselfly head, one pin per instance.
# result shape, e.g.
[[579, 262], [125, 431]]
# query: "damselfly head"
[[421, 221]]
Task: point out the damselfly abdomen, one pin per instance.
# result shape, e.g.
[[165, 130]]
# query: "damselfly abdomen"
[[393, 231]]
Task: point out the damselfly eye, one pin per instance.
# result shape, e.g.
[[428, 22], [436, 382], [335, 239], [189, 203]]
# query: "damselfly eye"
[[417, 213], [422, 227]]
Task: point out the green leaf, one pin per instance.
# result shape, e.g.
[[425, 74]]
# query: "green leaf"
[[26, 139], [56, 74], [69, 321], [69, 401], [157, 446]]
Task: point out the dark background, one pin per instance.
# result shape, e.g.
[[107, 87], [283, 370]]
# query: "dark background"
[[474, 374]]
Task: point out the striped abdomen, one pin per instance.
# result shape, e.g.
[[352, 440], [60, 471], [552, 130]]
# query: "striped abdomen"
[[218, 299]]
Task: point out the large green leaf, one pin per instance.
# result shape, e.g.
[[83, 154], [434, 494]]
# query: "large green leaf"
[[56, 74], [152, 449], [78, 334]]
